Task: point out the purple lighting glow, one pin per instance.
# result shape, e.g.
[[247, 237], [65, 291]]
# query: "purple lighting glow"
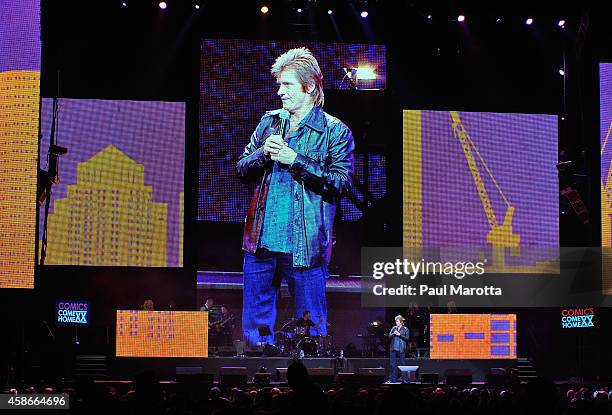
[[461, 18], [529, 21], [162, 5], [364, 14]]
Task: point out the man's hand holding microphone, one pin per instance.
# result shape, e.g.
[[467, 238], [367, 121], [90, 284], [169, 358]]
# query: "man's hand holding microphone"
[[278, 150]]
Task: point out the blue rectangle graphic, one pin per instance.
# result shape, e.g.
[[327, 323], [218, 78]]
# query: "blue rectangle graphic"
[[474, 336], [500, 338], [446, 337], [500, 350], [500, 325]]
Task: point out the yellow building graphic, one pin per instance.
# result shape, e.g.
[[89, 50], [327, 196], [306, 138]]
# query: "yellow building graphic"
[[108, 217], [19, 97]]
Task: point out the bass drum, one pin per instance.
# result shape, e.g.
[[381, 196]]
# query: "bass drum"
[[308, 346]]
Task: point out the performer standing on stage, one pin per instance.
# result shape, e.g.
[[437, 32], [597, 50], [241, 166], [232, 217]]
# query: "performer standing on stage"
[[397, 351], [301, 173]]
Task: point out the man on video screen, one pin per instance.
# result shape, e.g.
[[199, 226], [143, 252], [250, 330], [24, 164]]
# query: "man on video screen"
[[302, 161]]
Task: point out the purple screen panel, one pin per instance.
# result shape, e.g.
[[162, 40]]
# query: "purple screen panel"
[[120, 197], [605, 119]]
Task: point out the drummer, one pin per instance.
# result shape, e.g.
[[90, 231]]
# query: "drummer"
[[304, 324]]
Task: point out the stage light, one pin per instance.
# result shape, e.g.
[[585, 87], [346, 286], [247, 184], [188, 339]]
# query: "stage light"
[[498, 20], [162, 5], [364, 14], [299, 10], [561, 72], [364, 73], [329, 11], [429, 17], [197, 7], [529, 21], [561, 23], [461, 18], [264, 9], [124, 4]]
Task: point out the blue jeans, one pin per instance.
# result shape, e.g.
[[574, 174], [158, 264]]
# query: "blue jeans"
[[394, 356], [263, 273]]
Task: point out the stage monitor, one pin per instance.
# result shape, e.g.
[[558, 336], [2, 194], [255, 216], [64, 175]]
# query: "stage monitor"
[[19, 111], [409, 373], [162, 333], [236, 89], [605, 128], [119, 201], [72, 313], [472, 336], [482, 187]]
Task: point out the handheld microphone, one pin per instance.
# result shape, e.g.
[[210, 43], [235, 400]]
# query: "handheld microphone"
[[284, 120]]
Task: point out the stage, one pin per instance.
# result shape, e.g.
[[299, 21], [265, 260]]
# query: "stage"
[[166, 369]]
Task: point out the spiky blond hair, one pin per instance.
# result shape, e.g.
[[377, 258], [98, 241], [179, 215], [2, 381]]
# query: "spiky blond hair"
[[306, 68]]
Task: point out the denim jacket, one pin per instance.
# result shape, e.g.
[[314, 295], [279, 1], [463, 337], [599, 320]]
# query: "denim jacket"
[[322, 172]]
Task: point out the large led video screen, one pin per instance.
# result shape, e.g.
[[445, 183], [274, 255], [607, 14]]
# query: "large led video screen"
[[472, 336], [161, 333], [482, 187], [236, 89], [19, 112], [605, 126], [119, 201]]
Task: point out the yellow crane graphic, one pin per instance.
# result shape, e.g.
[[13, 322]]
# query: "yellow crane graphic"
[[500, 236]]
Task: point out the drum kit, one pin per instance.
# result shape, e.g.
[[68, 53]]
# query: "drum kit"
[[291, 340]]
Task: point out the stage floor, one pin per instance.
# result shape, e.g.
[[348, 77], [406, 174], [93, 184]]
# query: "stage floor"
[[165, 368]]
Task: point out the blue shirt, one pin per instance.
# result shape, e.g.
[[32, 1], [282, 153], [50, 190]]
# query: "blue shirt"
[[277, 233], [322, 172]]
